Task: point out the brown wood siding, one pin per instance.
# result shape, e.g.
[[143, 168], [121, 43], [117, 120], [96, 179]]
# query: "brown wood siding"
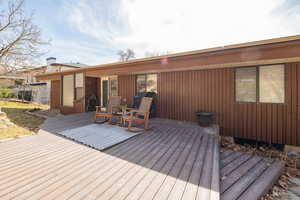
[[126, 88], [79, 106], [181, 94], [55, 95], [67, 110]]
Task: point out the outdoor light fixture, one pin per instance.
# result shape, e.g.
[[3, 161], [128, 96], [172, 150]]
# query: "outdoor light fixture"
[[164, 61]]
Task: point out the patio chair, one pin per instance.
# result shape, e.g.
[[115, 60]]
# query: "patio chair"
[[107, 112], [140, 115]]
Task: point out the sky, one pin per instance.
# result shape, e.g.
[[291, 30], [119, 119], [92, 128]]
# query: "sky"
[[93, 31]]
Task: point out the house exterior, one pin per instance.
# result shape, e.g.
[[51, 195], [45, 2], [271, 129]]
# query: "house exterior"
[[40, 90], [9, 81], [254, 88]]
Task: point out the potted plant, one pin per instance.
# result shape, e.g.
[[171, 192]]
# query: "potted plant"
[[123, 108]]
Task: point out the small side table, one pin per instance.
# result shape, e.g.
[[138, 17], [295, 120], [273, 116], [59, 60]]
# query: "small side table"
[[120, 115]]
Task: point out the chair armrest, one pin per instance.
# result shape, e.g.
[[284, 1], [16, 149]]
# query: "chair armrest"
[[139, 112], [98, 108], [134, 111], [130, 109]]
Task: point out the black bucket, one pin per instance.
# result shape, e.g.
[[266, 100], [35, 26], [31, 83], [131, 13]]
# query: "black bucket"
[[205, 118]]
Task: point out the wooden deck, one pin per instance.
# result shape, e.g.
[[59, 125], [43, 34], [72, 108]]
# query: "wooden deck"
[[247, 176], [173, 161]]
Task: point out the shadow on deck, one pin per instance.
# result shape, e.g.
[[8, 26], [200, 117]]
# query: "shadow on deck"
[[174, 160]]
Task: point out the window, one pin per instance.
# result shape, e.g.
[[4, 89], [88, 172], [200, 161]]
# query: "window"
[[151, 84], [146, 83], [79, 86], [271, 84], [245, 83], [141, 83], [113, 86], [68, 90], [18, 82], [264, 84]]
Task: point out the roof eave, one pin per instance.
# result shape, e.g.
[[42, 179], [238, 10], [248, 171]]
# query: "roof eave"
[[188, 53]]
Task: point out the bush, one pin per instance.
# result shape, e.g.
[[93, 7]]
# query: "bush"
[[6, 93]]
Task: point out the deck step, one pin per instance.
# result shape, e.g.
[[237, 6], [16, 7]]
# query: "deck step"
[[264, 183], [247, 176]]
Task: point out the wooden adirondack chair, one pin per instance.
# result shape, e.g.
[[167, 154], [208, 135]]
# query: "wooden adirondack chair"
[[140, 115], [107, 112]]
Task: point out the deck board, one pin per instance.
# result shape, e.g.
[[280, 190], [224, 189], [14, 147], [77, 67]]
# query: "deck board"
[[174, 160], [247, 176], [109, 167], [193, 182], [116, 167]]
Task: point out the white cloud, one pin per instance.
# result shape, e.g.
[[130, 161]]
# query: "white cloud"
[[101, 20], [79, 52], [176, 25]]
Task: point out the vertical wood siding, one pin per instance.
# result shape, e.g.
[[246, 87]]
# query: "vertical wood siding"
[[126, 88], [181, 94], [55, 95]]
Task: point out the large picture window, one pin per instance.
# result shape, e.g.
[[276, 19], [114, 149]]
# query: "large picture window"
[[146, 83], [264, 84], [68, 90]]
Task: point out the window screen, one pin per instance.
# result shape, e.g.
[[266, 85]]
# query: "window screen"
[[141, 83], [114, 86], [79, 86], [245, 84], [68, 90], [151, 83], [79, 80], [271, 84], [146, 83]]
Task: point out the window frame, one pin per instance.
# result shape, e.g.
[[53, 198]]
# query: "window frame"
[[111, 79], [136, 78], [62, 90], [258, 85], [76, 87]]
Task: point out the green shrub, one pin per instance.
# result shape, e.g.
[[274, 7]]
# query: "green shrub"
[[6, 93]]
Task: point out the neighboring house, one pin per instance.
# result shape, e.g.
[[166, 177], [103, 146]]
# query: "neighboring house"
[[40, 91], [10, 81], [254, 87], [52, 66]]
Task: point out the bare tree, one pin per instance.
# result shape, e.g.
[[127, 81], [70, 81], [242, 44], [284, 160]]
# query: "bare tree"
[[126, 55], [20, 39], [156, 53]]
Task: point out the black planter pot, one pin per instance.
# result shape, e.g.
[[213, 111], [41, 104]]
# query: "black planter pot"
[[205, 118]]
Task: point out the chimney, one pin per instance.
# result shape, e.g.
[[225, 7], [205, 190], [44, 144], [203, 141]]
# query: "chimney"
[[50, 60]]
